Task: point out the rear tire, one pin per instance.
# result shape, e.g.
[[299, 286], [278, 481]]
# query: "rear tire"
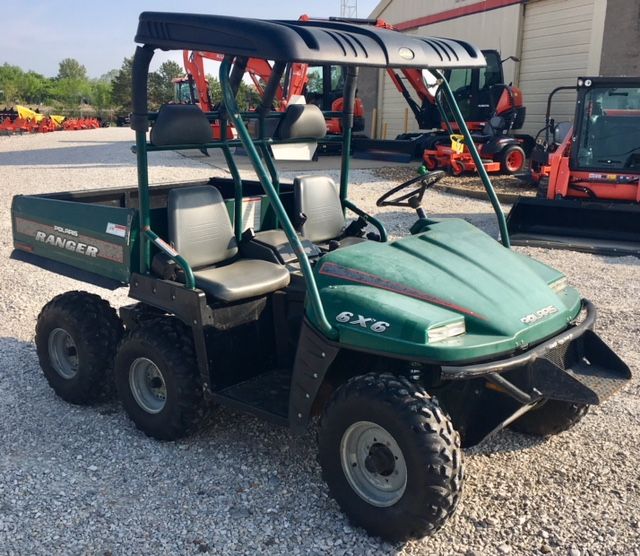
[[390, 456], [77, 334], [512, 160], [157, 379], [552, 417]]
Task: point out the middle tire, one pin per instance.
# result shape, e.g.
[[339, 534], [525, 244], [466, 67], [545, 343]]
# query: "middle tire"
[[157, 379], [390, 456]]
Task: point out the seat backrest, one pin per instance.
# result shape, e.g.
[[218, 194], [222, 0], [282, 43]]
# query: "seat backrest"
[[199, 225], [181, 124], [318, 204], [301, 121]]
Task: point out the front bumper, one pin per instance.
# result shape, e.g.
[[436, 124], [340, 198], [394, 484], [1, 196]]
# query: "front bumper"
[[574, 366]]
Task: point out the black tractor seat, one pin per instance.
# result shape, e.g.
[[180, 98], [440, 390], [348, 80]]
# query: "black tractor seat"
[[201, 231]]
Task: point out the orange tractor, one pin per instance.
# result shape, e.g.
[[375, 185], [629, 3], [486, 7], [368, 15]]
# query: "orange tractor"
[[492, 110], [587, 174]]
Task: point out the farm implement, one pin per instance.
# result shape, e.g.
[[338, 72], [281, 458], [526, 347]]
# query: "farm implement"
[[25, 120]]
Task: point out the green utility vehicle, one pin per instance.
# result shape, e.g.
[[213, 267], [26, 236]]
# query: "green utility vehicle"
[[262, 296]]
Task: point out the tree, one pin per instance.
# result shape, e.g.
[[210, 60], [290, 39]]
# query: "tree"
[[109, 76], [247, 97], [161, 83], [215, 90], [71, 92], [34, 88], [9, 82], [70, 68], [121, 86], [101, 97]]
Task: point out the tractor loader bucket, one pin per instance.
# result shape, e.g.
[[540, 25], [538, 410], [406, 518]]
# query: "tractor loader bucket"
[[604, 227]]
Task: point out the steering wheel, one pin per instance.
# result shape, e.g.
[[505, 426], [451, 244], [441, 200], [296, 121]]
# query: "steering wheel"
[[413, 198]]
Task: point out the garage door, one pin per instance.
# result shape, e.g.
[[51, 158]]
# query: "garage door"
[[555, 51]]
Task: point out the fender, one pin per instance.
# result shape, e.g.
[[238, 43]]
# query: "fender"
[[498, 144], [314, 356]]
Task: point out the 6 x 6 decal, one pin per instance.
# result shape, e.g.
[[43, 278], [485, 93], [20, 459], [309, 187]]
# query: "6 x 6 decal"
[[366, 322]]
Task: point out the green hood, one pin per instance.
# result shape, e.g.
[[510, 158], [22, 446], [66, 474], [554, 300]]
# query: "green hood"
[[448, 273]]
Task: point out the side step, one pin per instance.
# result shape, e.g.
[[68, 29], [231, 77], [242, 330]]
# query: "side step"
[[608, 228], [265, 396]]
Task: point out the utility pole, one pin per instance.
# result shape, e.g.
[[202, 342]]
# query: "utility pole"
[[348, 8]]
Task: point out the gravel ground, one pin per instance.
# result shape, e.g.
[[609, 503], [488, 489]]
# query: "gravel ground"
[[84, 481]]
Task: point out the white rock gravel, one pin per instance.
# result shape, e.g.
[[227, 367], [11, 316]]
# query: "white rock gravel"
[[84, 481]]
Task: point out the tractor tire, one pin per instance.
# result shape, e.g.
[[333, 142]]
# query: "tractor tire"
[[431, 163], [77, 334], [512, 160], [156, 376], [552, 417], [390, 457], [457, 168]]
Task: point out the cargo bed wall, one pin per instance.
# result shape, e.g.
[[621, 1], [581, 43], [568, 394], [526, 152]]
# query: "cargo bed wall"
[[97, 230], [96, 238]]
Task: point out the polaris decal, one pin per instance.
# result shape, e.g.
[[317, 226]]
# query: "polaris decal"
[[365, 322], [544, 312], [66, 231], [69, 240]]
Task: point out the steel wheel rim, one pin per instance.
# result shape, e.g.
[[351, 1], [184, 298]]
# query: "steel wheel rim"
[[373, 464], [515, 161], [63, 353], [147, 385]]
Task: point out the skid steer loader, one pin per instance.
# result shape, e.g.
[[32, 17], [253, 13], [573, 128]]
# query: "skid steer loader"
[[587, 173]]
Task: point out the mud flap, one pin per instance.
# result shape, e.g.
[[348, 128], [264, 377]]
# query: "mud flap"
[[592, 373], [610, 228]]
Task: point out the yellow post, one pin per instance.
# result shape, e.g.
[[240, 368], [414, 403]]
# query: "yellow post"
[[406, 120], [384, 130]]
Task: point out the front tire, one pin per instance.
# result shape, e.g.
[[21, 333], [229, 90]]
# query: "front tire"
[[157, 381], [77, 334], [552, 417], [512, 160], [390, 456]]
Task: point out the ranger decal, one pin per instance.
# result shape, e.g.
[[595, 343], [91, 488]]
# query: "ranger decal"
[[68, 244]]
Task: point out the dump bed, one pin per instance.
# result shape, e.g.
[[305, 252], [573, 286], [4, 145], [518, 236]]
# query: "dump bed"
[[93, 235]]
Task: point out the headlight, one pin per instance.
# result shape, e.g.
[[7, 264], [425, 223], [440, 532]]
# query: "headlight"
[[559, 285], [447, 331]]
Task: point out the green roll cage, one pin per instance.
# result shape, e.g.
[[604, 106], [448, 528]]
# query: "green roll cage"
[[231, 70]]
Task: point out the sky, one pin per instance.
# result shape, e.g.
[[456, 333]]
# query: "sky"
[[99, 34]]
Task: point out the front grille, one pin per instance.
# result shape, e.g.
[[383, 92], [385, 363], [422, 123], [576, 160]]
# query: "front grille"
[[561, 355]]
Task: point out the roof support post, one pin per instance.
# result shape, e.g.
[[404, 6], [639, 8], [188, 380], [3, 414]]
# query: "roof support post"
[[349, 96], [502, 222], [313, 295]]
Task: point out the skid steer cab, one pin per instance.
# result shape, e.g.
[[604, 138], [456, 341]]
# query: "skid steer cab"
[[286, 300], [587, 173]]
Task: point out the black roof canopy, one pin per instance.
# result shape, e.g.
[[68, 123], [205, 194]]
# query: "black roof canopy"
[[313, 41]]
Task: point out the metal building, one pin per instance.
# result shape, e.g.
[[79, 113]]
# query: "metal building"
[[556, 41]]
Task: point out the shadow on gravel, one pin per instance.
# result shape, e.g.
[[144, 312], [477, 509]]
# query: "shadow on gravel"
[[81, 155]]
